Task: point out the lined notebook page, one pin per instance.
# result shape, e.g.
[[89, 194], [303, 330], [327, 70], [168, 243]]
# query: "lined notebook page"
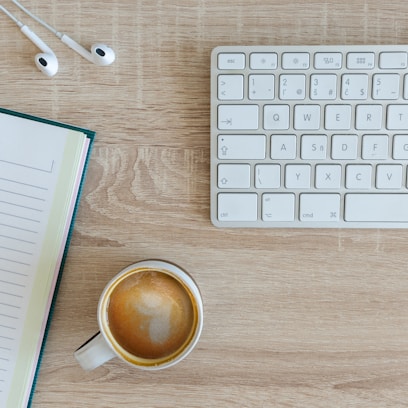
[[40, 169]]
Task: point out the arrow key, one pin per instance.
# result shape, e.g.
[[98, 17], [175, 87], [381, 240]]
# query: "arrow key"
[[234, 176], [241, 147], [234, 117]]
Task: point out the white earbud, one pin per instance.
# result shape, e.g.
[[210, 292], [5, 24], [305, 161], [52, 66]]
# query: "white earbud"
[[100, 54], [46, 61]]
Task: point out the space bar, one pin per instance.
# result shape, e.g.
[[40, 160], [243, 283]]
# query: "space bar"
[[376, 207]]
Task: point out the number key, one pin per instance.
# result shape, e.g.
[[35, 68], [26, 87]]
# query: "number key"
[[354, 86], [292, 87], [323, 86], [386, 86]]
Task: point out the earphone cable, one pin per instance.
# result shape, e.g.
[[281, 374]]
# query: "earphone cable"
[[5, 11], [34, 17]]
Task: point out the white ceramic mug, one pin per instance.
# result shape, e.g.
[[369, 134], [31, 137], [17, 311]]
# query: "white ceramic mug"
[[153, 302]]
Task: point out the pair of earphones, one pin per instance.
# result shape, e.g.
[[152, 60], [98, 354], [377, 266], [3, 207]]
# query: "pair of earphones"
[[46, 61]]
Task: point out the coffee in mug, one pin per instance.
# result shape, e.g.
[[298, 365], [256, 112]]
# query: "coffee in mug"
[[150, 315]]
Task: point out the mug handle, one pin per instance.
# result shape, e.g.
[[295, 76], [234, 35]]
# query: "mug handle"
[[94, 352]]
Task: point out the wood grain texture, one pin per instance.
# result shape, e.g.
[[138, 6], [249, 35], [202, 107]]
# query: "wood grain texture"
[[300, 318]]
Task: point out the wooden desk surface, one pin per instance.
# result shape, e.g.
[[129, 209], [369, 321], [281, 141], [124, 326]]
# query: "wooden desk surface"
[[311, 318]]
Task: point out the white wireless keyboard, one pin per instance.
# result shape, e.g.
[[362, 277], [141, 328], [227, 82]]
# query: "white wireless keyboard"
[[309, 136]]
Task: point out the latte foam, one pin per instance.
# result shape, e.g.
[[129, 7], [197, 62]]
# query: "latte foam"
[[150, 314]]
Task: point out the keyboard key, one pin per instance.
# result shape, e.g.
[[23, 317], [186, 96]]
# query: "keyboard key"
[[261, 87], [368, 117], [319, 207], [386, 86], [298, 176], [359, 176], [344, 147], [328, 60], [397, 117], [234, 176], [230, 87], [263, 60], [295, 60], [234, 117], [360, 60], [241, 147], [278, 207], [354, 86], [376, 207], [283, 147], [307, 117], [400, 147], [313, 147], [231, 61], [389, 176], [393, 60], [237, 207], [292, 87], [323, 87], [328, 176], [276, 117], [337, 117], [267, 176], [406, 86], [375, 147]]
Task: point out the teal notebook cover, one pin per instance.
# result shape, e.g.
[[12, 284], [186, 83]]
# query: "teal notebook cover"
[[88, 137]]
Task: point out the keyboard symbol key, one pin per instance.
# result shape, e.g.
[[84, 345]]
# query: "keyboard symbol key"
[[319, 207], [328, 60], [230, 87], [278, 207], [360, 60], [234, 176], [238, 117], [295, 60], [241, 147], [263, 60]]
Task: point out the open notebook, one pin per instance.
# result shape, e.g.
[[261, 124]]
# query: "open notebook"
[[42, 166]]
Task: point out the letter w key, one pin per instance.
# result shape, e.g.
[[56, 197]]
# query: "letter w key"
[[307, 117]]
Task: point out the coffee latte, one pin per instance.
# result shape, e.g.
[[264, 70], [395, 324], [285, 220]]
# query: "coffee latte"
[[150, 314]]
